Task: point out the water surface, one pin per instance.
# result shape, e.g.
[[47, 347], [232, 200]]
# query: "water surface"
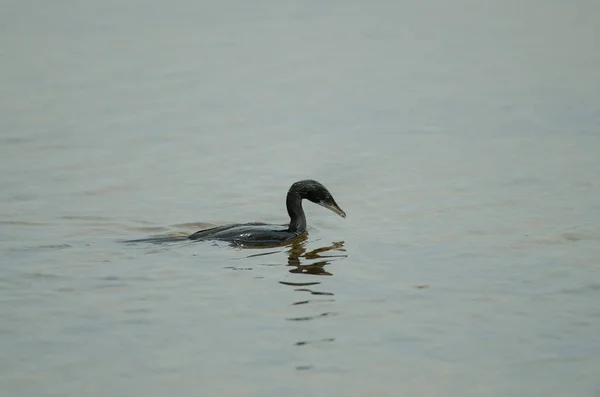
[[461, 139]]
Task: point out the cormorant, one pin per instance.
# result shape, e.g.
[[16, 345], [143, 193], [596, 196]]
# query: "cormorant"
[[257, 234]]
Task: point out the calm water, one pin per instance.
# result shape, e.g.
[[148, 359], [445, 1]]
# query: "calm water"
[[461, 138]]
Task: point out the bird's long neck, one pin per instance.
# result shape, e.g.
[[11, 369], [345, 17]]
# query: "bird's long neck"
[[293, 203]]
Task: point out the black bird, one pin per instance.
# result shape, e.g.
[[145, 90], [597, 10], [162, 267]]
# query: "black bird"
[[260, 234]]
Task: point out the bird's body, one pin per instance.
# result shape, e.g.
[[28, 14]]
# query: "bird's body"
[[257, 234], [261, 234], [248, 234]]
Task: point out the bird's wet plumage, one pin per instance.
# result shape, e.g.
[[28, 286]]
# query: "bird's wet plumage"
[[261, 234], [248, 234], [256, 234]]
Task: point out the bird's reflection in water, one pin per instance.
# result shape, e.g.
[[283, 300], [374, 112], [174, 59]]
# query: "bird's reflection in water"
[[303, 261], [311, 262], [299, 258], [314, 263]]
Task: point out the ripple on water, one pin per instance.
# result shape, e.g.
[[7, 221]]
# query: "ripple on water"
[[308, 318]]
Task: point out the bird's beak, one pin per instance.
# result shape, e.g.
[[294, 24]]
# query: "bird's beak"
[[331, 205]]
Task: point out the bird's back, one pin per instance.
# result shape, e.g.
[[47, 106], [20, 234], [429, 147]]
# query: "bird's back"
[[248, 234]]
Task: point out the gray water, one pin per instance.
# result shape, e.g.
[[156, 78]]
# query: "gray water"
[[462, 139]]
